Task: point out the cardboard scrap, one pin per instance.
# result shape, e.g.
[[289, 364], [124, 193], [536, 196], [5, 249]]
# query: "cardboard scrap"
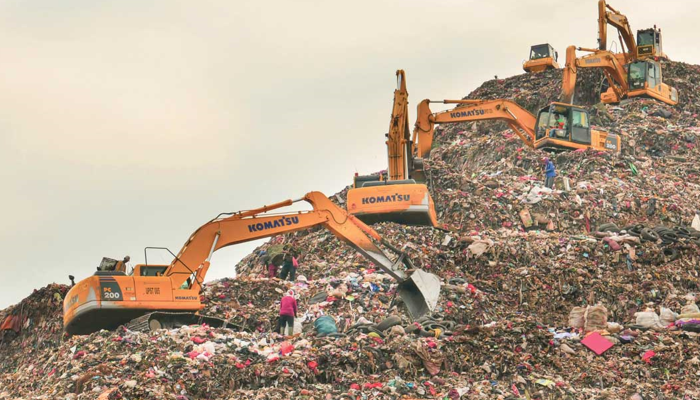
[[597, 343]]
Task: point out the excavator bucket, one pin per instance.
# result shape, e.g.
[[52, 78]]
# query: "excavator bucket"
[[404, 202], [420, 292]]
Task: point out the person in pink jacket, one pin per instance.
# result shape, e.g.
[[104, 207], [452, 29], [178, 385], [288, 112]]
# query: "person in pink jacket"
[[288, 311]]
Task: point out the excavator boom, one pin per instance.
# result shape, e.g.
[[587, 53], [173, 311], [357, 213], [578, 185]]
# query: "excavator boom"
[[642, 78], [557, 127], [614, 72], [647, 45], [608, 15], [112, 298]]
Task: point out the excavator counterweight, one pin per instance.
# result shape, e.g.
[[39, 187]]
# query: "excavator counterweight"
[[405, 202], [162, 296]]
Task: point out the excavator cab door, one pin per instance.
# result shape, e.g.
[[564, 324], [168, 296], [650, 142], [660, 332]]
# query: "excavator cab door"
[[653, 75], [637, 74], [580, 126]]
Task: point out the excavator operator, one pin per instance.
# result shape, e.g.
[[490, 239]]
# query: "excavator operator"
[[557, 124]]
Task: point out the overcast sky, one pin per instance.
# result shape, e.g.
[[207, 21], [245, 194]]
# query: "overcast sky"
[[126, 124]]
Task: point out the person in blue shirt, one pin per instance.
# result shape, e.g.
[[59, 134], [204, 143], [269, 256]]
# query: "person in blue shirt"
[[549, 172]]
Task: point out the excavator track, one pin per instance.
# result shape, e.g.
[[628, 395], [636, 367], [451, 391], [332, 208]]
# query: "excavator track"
[[166, 320]]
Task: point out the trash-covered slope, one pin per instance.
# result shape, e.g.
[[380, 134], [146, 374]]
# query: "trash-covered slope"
[[527, 274]]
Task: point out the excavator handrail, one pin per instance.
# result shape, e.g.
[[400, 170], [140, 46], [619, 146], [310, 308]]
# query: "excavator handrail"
[[145, 252]]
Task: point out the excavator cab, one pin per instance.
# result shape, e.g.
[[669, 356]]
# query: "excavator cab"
[[645, 80], [542, 57], [562, 127], [649, 43]]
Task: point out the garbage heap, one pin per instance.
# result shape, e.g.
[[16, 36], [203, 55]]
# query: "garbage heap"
[[31, 328], [587, 290]]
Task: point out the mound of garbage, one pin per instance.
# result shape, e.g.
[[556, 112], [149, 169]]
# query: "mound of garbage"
[[586, 290]]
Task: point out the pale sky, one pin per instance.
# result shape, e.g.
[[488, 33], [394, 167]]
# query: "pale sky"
[[126, 124]]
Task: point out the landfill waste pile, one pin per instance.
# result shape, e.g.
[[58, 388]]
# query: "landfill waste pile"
[[586, 290]]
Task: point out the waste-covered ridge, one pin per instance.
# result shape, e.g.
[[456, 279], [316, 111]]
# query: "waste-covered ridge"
[[527, 274]]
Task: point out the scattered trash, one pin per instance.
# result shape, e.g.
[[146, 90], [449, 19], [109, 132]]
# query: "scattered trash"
[[527, 271]]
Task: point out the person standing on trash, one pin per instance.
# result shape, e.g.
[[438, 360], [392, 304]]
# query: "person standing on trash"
[[288, 311], [288, 268], [269, 268], [549, 172], [295, 261]]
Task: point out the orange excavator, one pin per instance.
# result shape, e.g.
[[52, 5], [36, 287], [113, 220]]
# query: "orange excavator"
[[640, 78], [647, 45], [557, 127], [401, 195], [542, 58], [163, 296]]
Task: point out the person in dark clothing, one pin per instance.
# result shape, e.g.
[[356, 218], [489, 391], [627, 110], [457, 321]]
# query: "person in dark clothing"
[[550, 172], [288, 268], [268, 266], [288, 311]]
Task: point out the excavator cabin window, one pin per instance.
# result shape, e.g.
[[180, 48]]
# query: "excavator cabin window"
[[152, 270], [637, 74], [553, 122], [580, 128], [540, 51], [647, 37]]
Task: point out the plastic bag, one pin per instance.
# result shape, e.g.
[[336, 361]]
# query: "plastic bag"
[[297, 325], [667, 316], [690, 308], [648, 319], [325, 325]]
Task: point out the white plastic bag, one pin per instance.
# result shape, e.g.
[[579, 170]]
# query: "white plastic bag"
[[690, 308], [297, 325], [648, 319], [667, 316]]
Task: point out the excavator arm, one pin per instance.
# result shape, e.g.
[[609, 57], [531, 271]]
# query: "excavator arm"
[[193, 259], [517, 118], [398, 139], [614, 71], [608, 15]]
